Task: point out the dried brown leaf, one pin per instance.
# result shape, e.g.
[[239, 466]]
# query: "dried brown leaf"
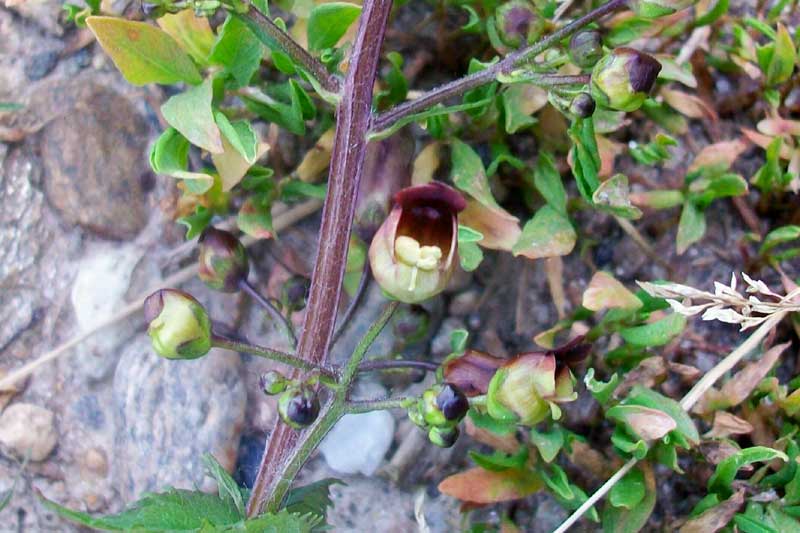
[[716, 517], [500, 228], [477, 485], [647, 373], [721, 153], [606, 292], [688, 104], [726, 424]]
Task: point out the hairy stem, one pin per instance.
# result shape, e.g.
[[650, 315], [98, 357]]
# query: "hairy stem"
[[392, 364], [326, 375], [478, 79], [366, 406], [282, 457], [274, 311], [271, 35]]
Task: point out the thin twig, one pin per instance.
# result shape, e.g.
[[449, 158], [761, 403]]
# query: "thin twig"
[[283, 221], [641, 241], [366, 406], [247, 287], [392, 364], [687, 403], [472, 81], [354, 303]]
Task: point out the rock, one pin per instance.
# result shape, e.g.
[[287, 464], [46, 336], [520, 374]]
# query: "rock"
[[27, 430], [369, 433], [169, 413], [96, 462], [41, 64], [102, 194], [440, 344]]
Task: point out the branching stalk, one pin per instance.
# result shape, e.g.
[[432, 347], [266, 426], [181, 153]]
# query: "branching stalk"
[[274, 311], [366, 406]]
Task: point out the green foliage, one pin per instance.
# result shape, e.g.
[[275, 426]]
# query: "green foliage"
[[329, 22], [726, 470], [469, 253], [657, 333], [238, 50]]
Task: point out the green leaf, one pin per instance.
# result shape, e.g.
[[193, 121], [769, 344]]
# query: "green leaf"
[[7, 107], [653, 152], [714, 12], [613, 196], [458, 340], [726, 470], [548, 234], [238, 50], [691, 227], [625, 520], [192, 33], [499, 461], [585, 157], [750, 525], [190, 113], [468, 173], [548, 182], [396, 81], [255, 216], [229, 490], [467, 234], [143, 53], [784, 56], [601, 390], [519, 103], [549, 443], [197, 222], [289, 107], [313, 498], [281, 522], [294, 189], [433, 117], [172, 510], [239, 134], [643, 396], [558, 482], [170, 156], [484, 421], [473, 25], [470, 256], [657, 333], [629, 491], [329, 22], [779, 236]]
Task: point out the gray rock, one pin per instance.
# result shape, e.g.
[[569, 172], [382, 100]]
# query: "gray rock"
[[102, 194], [41, 64], [440, 344], [28, 430], [169, 413]]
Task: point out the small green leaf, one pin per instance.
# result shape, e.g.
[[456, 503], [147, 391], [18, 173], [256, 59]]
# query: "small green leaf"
[[784, 56], [197, 222], [548, 234], [629, 491], [313, 498], [631, 520], [779, 236], [558, 482], [467, 234], [470, 256], [170, 156], [601, 390], [473, 25], [238, 50], [726, 470], [255, 217], [229, 491], [657, 333], [612, 196], [397, 84], [240, 135], [294, 189], [329, 22], [691, 227], [484, 421], [468, 173], [458, 340], [640, 395], [190, 113], [585, 159], [499, 461], [548, 182], [549, 443], [520, 102], [143, 53]]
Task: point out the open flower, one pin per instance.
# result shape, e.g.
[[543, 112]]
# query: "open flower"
[[415, 251]]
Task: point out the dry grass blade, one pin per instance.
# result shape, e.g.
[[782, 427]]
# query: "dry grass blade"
[[282, 221], [687, 403]]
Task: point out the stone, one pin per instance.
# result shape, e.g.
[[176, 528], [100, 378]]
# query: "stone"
[[93, 158], [28, 430], [369, 433], [169, 413], [41, 64], [95, 461]]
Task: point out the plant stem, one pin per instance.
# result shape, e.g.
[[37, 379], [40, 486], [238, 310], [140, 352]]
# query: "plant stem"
[[366, 406], [363, 283], [272, 36], [352, 366], [285, 453], [274, 311], [326, 376], [472, 81], [391, 364]]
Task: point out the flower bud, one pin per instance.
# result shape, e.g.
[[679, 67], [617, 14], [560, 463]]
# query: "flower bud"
[[273, 382], [658, 8], [178, 325], [452, 403], [415, 251], [416, 417], [582, 105], [298, 406], [223, 260], [586, 48], [623, 78], [410, 324], [295, 292], [443, 437], [517, 23], [429, 408]]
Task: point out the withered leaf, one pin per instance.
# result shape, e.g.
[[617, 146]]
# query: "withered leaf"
[[477, 485], [715, 518]]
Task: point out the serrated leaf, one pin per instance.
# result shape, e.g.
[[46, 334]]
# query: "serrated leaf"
[[548, 234], [172, 510], [238, 50], [143, 53], [313, 498], [190, 113], [281, 522], [624, 520], [726, 470], [191, 32], [329, 22], [228, 489]]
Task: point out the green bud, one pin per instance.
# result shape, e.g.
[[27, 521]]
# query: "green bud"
[[223, 260], [582, 105], [517, 23], [298, 406], [273, 382], [623, 78], [443, 437], [294, 293], [178, 325], [410, 324], [651, 9], [586, 48], [416, 417], [429, 408]]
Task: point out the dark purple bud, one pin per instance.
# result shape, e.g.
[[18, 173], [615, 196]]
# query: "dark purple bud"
[[294, 293], [583, 105], [299, 407], [586, 48], [452, 402], [223, 263], [517, 23]]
